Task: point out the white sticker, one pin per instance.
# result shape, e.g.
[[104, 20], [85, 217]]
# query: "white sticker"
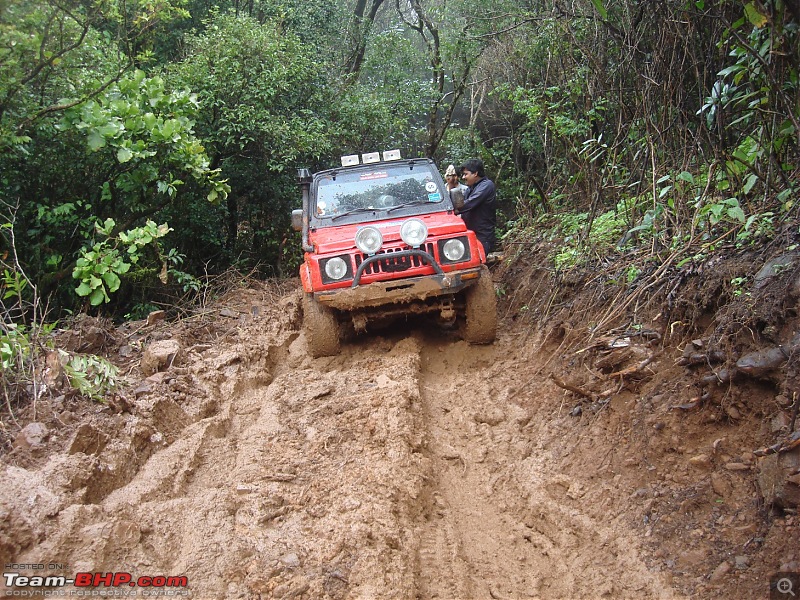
[[430, 186]]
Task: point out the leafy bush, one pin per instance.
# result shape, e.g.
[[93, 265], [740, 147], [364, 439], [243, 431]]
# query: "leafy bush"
[[100, 267], [92, 376]]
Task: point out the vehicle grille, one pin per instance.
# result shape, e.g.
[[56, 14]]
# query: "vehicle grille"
[[392, 264]]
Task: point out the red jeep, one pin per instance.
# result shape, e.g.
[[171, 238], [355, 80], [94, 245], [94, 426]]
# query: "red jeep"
[[381, 241]]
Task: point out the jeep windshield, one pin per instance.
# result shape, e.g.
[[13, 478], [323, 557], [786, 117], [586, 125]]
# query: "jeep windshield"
[[371, 192]]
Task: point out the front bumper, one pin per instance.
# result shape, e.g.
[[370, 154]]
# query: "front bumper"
[[399, 291]]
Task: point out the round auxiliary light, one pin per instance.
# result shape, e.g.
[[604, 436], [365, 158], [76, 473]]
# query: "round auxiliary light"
[[414, 232], [336, 268], [454, 250], [369, 240]]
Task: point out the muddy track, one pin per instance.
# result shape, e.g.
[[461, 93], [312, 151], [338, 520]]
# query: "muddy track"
[[498, 529], [406, 467]]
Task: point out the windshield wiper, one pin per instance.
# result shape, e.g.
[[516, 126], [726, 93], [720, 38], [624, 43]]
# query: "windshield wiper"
[[354, 211], [405, 204]]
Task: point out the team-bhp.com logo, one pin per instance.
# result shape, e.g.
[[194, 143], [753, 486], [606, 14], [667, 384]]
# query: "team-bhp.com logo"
[[95, 584]]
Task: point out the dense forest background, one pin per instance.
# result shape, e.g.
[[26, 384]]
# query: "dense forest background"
[[147, 145]]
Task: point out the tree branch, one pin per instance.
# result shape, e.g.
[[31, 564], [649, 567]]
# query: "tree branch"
[[59, 107]]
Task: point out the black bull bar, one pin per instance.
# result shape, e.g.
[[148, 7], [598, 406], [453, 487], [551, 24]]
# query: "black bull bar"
[[394, 255]]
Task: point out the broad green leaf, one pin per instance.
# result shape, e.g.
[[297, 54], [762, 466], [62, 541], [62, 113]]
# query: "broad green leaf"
[[736, 213], [730, 70], [84, 289], [96, 141], [97, 297], [112, 281], [598, 4], [749, 183], [124, 155], [754, 15]]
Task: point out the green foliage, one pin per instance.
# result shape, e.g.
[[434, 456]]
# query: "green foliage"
[[92, 376], [561, 110], [15, 346], [572, 224], [753, 100], [737, 283], [632, 273], [649, 224], [607, 229], [263, 104], [582, 241], [55, 55], [149, 131], [758, 228], [14, 284], [99, 268], [365, 118], [721, 211], [258, 87]]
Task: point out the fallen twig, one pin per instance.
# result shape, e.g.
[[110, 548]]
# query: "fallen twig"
[[632, 369], [572, 388], [790, 443]]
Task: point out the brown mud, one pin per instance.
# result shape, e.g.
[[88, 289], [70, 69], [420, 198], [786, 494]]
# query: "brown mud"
[[414, 465]]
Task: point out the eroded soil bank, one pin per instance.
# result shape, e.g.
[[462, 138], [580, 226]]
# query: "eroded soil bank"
[[412, 465]]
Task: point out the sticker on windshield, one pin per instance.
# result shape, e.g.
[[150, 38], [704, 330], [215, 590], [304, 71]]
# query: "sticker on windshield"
[[374, 175], [434, 197], [430, 187]]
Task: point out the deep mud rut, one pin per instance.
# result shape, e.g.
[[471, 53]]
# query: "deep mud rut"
[[412, 465]]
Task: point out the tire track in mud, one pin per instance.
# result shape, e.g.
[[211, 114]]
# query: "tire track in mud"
[[497, 522]]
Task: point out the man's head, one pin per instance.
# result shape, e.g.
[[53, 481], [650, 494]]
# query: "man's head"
[[451, 176], [472, 171]]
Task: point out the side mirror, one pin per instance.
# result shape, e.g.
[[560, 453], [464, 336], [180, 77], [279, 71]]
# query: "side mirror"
[[457, 198], [297, 219]]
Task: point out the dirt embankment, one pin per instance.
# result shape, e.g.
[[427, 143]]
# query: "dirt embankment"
[[412, 465]]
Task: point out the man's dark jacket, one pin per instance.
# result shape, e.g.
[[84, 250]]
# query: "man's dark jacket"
[[479, 212]]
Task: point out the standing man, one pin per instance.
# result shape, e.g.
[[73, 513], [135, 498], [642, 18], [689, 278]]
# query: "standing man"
[[478, 211], [452, 183], [451, 179]]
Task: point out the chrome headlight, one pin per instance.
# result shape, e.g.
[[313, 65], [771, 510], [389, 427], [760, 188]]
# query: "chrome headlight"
[[414, 232], [336, 268], [369, 240], [453, 250]]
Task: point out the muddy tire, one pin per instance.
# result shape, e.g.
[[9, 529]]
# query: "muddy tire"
[[321, 328], [481, 311]]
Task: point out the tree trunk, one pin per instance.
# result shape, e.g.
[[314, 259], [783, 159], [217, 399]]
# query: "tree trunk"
[[359, 34]]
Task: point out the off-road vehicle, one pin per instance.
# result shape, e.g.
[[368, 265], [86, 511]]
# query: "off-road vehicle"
[[382, 241]]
